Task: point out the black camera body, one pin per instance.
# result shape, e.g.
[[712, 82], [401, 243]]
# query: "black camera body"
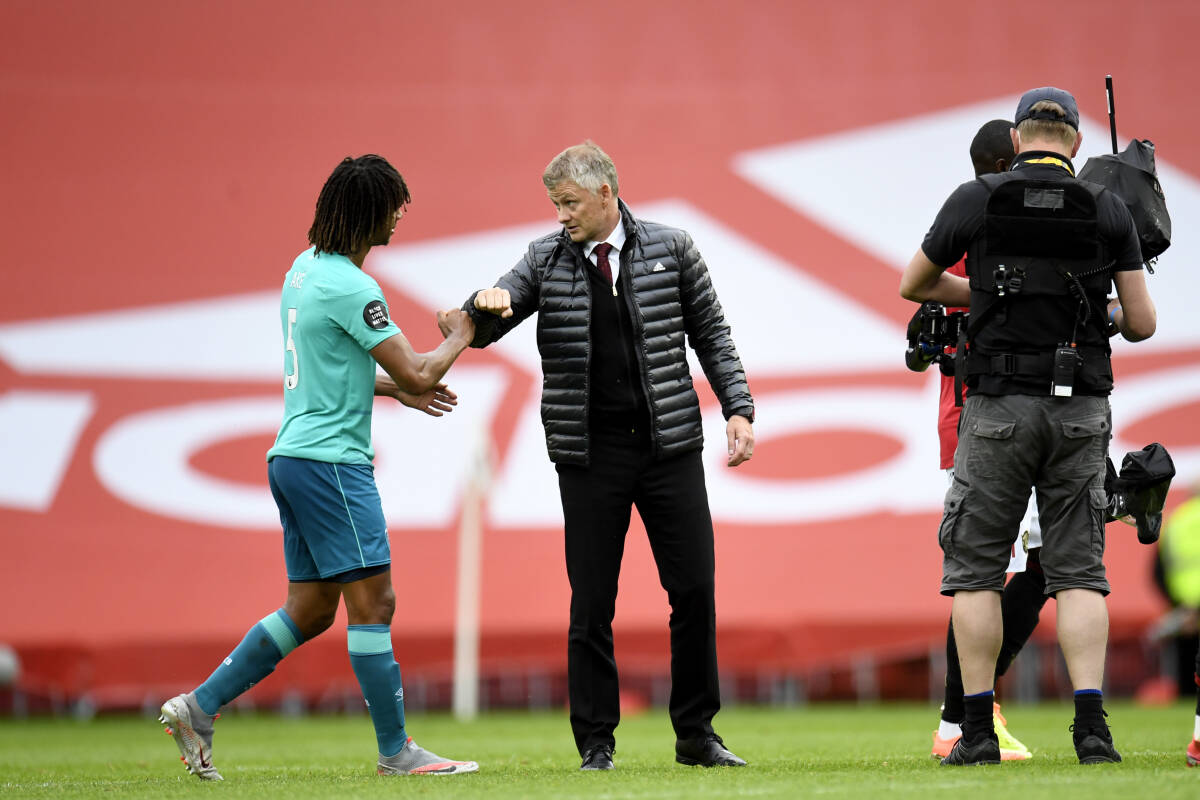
[[930, 331], [1137, 494]]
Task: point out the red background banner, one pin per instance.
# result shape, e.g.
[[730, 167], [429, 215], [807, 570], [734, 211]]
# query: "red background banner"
[[163, 153]]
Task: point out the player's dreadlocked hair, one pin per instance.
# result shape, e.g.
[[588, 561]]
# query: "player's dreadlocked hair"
[[356, 201]]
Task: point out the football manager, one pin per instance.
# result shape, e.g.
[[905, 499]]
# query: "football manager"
[[617, 300]]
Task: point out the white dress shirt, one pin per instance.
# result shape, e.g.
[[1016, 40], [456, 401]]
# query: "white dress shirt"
[[617, 240]]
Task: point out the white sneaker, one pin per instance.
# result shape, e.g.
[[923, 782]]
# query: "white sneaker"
[[416, 760], [192, 730]]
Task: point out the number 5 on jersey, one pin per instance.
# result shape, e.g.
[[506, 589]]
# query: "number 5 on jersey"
[[290, 379]]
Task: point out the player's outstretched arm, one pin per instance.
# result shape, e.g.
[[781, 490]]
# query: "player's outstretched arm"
[[418, 373], [438, 400]]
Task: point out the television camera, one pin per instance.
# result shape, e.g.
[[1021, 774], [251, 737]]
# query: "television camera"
[[932, 332]]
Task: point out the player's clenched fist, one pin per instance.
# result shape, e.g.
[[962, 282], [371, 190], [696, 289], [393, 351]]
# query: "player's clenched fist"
[[494, 301], [456, 322]]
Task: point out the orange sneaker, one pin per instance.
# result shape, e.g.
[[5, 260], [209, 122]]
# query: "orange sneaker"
[[1193, 753], [942, 747]]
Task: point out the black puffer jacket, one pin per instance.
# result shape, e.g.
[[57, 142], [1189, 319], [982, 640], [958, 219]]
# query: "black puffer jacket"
[[666, 277]]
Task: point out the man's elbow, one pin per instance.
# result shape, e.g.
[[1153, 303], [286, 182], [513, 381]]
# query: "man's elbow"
[[912, 291], [1139, 329]]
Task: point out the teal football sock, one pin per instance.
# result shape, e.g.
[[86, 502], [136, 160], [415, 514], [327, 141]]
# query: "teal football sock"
[[264, 646], [379, 677]]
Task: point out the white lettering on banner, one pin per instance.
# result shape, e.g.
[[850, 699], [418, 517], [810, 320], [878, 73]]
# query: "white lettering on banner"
[[144, 343], [526, 491], [907, 482], [39, 431], [144, 459]]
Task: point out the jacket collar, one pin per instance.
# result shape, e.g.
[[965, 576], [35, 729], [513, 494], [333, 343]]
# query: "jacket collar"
[[628, 221]]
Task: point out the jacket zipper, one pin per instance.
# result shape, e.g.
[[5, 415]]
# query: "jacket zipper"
[[638, 331]]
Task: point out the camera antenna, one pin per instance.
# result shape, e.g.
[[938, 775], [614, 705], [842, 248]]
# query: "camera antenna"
[[1112, 112]]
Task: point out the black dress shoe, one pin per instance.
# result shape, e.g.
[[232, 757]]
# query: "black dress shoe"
[[707, 751], [598, 757]]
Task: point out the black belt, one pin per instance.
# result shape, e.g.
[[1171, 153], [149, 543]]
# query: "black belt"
[[1011, 364], [1029, 364]]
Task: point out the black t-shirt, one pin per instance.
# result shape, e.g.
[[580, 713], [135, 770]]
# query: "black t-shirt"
[[960, 224], [961, 219]]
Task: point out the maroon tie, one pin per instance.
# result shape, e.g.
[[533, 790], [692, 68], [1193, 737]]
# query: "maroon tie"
[[602, 250]]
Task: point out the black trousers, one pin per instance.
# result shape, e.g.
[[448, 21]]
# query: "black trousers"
[[672, 501]]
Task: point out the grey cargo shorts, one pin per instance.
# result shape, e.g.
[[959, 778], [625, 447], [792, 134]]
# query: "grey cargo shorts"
[[1006, 445]]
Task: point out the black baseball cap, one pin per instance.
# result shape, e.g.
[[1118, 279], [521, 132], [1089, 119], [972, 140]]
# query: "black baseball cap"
[[1060, 96]]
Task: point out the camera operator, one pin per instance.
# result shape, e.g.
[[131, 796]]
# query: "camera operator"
[[1042, 251], [991, 151]]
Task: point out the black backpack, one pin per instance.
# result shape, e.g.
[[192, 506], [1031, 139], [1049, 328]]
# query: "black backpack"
[[1131, 176]]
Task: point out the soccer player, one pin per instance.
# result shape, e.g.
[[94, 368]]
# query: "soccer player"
[[336, 329]]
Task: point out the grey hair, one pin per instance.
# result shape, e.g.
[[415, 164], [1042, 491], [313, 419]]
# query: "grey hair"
[[584, 164]]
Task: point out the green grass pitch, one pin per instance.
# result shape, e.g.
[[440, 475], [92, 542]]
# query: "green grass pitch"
[[827, 751]]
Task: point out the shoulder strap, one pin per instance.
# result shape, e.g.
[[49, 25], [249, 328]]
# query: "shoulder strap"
[[964, 336]]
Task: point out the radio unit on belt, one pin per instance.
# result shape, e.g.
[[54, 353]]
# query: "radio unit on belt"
[[1066, 364]]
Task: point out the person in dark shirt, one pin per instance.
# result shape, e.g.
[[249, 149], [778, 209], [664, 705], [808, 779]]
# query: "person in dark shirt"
[[991, 151], [1043, 250]]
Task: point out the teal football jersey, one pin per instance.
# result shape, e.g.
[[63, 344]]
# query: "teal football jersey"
[[332, 314]]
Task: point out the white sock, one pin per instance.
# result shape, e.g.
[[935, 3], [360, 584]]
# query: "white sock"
[[1196, 730], [952, 730]]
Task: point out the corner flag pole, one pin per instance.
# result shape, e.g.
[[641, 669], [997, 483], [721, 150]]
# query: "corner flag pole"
[[465, 702]]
